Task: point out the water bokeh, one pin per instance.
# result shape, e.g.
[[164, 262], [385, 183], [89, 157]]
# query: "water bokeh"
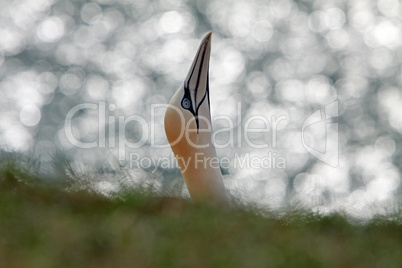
[[283, 60]]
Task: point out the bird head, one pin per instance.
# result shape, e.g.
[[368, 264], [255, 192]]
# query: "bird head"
[[187, 118]]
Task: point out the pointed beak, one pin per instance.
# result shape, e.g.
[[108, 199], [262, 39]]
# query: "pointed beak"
[[197, 78]]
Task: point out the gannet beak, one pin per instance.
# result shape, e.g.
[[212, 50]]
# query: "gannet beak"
[[196, 85]]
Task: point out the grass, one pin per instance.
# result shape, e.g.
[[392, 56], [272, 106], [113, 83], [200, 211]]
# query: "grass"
[[43, 225]]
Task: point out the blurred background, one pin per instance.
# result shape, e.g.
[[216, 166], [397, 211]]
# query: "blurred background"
[[279, 59]]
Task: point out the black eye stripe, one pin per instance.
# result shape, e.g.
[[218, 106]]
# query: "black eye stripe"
[[187, 95]]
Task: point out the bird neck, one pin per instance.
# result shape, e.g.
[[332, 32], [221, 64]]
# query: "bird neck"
[[195, 152]]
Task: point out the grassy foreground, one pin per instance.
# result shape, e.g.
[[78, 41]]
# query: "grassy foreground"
[[46, 226]]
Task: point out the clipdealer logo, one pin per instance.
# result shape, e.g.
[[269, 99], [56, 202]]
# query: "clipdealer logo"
[[326, 118], [319, 126]]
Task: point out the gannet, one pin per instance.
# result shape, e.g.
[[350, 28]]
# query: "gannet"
[[189, 132]]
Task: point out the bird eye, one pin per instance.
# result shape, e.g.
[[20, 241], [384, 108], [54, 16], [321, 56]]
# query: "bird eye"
[[186, 103]]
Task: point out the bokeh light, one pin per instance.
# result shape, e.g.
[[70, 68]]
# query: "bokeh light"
[[272, 58]]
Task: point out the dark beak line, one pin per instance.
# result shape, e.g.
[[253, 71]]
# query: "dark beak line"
[[200, 55], [202, 49]]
